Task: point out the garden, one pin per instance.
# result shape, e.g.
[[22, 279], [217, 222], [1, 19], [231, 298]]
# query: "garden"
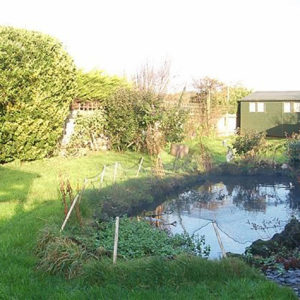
[[38, 260]]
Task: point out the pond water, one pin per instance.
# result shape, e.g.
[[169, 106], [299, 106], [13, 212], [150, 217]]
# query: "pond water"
[[244, 210]]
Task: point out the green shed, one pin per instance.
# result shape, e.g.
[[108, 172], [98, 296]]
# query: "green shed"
[[277, 113]]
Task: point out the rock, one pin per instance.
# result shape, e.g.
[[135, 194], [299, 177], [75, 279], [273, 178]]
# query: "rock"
[[288, 238], [289, 278], [284, 166]]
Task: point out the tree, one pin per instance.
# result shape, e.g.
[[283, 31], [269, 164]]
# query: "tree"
[[215, 98], [37, 84]]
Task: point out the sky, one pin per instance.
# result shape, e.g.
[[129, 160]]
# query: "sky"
[[252, 42]]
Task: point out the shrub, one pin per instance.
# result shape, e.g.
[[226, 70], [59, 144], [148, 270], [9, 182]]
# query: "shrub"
[[131, 112], [293, 151], [37, 84], [249, 143], [173, 124], [89, 128]]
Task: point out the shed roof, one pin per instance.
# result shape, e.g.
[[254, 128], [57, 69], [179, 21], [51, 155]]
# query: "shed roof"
[[273, 96]]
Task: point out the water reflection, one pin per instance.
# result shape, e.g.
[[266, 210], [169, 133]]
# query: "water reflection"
[[235, 207]]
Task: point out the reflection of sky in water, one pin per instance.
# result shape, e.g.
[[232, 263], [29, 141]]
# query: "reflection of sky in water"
[[232, 208]]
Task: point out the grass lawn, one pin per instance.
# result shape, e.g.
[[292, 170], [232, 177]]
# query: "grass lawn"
[[29, 200]]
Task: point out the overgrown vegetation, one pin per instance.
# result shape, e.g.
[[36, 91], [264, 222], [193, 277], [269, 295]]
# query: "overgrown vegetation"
[[293, 148], [127, 113], [34, 202], [249, 143], [37, 84], [280, 252], [139, 239], [215, 98], [89, 129]]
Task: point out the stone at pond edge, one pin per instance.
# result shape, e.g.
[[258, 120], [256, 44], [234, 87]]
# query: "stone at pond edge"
[[288, 238]]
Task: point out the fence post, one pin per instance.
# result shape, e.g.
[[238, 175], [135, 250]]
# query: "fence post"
[[219, 240], [116, 241], [115, 171], [140, 166], [102, 177]]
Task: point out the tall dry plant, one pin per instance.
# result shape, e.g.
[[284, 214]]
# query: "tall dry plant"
[[155, 142], [67, 197]]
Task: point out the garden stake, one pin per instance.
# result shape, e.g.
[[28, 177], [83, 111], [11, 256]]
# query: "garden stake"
[[116, 241], [69, 213], [140, 166], [219, 240]]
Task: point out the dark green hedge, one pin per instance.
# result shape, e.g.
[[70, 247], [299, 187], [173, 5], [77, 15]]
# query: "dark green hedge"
[[37, 84]]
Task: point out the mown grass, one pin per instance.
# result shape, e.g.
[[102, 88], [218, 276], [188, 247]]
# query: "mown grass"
[[29, 200]]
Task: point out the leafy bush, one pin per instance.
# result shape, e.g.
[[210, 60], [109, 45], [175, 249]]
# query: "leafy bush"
[[131, 112], [139, 239], [173, 124], [249, 143], [89, 128], [37, 84], [293, 148]]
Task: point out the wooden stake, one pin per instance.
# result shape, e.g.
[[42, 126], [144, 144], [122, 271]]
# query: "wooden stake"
[[219, 240], [115, 171], [116, 241], [140, 166], [69, 212]]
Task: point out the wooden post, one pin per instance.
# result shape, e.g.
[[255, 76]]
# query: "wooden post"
[[69, 212], [115, 172], [219, 240], [102, 177], [140, 166], [116, 241]]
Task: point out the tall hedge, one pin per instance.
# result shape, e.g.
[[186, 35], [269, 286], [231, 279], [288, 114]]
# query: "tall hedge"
[[37, 84], [95, 85]]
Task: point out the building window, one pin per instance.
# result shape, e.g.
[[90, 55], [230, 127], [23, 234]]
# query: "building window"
[[287, 107], [252, 107], [297, 107], [260, 107]]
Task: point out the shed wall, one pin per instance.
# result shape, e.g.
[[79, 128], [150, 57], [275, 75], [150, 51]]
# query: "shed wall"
[[273, 120]]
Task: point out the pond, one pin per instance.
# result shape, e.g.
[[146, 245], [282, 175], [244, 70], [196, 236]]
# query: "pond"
[[244, 209]]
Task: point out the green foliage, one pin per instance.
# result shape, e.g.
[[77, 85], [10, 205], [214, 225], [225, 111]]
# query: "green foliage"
[[185, 277], [88, 128], [95, 85], [130, 112], [293, 148], [59, 254], [37, 83], [249, 143], [122, 126], [293, 151], [236, 93], [173, 124], [139, 239]]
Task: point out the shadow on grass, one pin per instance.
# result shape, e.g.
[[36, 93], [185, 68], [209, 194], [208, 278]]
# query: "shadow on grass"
[[15, 186], [136, 195], [153, 276]]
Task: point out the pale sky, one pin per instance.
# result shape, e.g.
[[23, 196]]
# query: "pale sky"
[[254, 42]]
